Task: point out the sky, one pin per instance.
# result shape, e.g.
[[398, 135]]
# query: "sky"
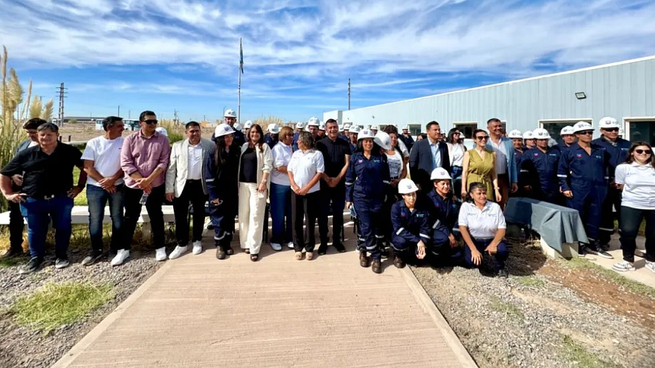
[[167, 55]]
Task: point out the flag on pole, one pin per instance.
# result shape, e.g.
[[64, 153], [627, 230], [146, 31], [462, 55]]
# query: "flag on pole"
[[241, 53]]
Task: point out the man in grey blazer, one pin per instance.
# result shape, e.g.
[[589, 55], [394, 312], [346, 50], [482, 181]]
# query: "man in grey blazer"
[[185, 184]]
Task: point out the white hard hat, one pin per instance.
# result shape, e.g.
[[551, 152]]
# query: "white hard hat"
[[346, 127], [300, 125], [582, 126], [375, 127], [405, 127], [383, 140], [528, 135], [439, 173], [321, 125], [515, 134], [567, 130], [540, 133], [273, 128], [355, 129], [229, 113], [365, 133], [407, 186], [313, 122], [223, 129], [247, 125], [608, 122], [161, 130], [238, 127]]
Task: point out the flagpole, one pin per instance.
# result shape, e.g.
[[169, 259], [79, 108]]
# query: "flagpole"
[[239, 92]]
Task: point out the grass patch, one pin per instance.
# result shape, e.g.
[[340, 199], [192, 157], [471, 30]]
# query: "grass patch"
[[80, 200], [56, 305], [530, 281], [578, 354], [612, 276], [11, 262], [507, 308]]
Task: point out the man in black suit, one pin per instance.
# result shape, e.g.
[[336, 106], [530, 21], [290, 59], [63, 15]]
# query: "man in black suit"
[[427, 155]]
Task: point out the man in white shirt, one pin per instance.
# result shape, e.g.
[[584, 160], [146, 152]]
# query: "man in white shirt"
[[102, 165], [185, 184]]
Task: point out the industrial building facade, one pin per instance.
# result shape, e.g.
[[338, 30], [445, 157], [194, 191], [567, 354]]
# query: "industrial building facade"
[[624, 90]]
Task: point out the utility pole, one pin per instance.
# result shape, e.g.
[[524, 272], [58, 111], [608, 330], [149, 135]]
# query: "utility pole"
[[204, 118], [176, 121], [62, 96], [129, 114], [119, 111], [348, 93]]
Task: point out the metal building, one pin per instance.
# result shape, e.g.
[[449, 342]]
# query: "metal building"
[[623, 90]]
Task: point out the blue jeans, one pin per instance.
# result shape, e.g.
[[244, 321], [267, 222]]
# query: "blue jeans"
[[281, 213], [97, 199], [480, 244], [38, 213]]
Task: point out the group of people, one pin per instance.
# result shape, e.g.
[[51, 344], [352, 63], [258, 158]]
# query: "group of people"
[[309, 175]]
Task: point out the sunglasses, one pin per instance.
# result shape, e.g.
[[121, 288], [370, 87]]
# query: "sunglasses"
[[611, 130], [588, 132], [481, 137], [150, 122], [642, 151]]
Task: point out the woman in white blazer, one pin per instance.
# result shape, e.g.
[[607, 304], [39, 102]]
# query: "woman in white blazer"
[[255, 165]]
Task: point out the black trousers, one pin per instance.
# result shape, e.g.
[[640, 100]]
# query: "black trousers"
[[15, 227], [333, 201], [133, 211], [193, 194], [630, 221], [613, 200], [301, 207]]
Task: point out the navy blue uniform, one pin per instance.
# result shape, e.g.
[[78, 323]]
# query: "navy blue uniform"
[[409, 227], [618, 152], [344, 137], [353, 148], [586, 175], [523, 180], [366, 187], [271, 140], [239, 139], [542, 169], [222, 184], [443, 219], [409, 141]]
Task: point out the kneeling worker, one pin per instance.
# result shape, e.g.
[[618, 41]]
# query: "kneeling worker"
[[444, 211], [411, 227]]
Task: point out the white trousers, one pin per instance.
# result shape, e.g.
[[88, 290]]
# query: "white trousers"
[[251, 217]]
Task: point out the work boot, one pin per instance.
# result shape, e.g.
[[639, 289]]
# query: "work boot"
[[398, 262], [377, 265], [363, 259], [12, 252], [220, 253]]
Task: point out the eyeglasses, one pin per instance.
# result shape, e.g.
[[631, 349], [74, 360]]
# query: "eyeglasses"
[[150, 122], [587, 132], [457, 133], [482, 137], [642, 151], [612, 130]]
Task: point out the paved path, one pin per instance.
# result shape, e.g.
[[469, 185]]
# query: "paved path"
[[197, 311], [641, 274]]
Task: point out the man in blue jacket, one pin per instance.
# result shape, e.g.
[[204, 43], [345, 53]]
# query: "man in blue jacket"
[[427, 155], [506, 168]]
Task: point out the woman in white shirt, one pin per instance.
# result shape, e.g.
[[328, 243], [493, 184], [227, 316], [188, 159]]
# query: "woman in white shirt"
[[636, 177], [281, 191], [482, 225], [305, 169], [456, 151]]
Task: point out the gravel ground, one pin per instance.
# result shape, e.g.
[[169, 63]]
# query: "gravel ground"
[[25, 347], [531, 320]]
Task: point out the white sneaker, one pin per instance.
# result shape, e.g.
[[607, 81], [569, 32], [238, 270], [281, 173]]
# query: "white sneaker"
[[276, 247], [197, 247], [177, 252], [290, 245], [161, 254], [623, 266], [120, 257], [650, 265]]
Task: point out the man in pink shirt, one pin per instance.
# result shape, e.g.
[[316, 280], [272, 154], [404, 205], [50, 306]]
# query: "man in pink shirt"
[[144, 159]]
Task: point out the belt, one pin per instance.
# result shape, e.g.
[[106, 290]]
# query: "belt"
[[194, 180], [395, 177], [49, 196]]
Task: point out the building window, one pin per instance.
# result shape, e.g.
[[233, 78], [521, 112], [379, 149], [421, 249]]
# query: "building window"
[[642, 131], [466, 129], [414, 129], [554, 127]]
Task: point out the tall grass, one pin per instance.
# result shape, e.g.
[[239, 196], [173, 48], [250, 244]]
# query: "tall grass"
[[175, 131]]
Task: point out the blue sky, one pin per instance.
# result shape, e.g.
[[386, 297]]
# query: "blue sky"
[[183, 55]]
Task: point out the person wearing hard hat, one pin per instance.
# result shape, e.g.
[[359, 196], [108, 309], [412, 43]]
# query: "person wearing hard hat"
[[366, 182], [321, 131], [410, 237], [539, 166], [519, 151], [312, 127], [375, 128], [246, 127], [618, 151], [237, 127], [354, 131], [230, 118], [272, 137], [186, 184], [444, 210], [162, 131], [222, 177], [300, 127], [567, 138], [584, 179], [407, 138], [528, 140], [345, 136]]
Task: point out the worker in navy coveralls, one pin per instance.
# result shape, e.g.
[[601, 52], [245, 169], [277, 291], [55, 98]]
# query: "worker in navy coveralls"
[[583, 175], [366, 185], [410, 238], [541, 164], [618, 152], [444, 210]]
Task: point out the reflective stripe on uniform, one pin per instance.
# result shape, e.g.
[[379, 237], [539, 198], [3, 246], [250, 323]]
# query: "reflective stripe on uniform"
[[424, 236], [400, 231], [436, 224], [209, 180]]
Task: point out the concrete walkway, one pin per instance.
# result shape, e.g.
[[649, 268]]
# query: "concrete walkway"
[[197, 311], [641, 274]]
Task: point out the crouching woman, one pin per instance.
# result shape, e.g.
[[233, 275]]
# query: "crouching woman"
[[411, 227], [482, 225]]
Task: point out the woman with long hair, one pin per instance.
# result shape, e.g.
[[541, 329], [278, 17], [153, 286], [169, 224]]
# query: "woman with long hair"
[[636, 177], [482, 225], [366, 186], [221, 172], [456, 151], [479, 165], [281, 191], [305, 169], [255, 165]]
